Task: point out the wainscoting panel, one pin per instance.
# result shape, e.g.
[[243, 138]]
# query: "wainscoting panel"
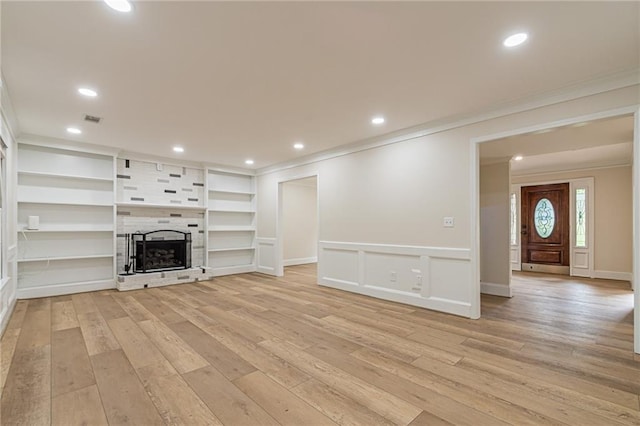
[[266, 249], [430, 277]]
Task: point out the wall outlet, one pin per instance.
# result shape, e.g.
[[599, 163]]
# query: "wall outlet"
[[393, 276], [448, 222]]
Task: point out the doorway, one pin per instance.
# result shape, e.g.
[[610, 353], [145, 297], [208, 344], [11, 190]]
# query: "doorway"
[[582, 159], [298, 224], [545, 230]]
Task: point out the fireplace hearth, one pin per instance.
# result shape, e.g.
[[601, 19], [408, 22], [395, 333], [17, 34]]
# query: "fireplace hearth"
[[164, 250]]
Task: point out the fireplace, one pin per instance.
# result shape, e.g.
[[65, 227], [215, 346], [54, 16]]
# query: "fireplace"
[[164, 250]]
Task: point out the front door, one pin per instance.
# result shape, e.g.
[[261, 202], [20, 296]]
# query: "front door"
[[545, 228]]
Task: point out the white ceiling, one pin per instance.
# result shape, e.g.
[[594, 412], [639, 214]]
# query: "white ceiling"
[[237, 80], [601, 143]]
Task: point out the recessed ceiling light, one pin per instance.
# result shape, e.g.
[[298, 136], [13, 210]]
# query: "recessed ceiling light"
[[248, 162], [518, 157], [178, 149], [377, 120], [87, 92], [74, 130], [298, 145], [119, 5], [515, 40]]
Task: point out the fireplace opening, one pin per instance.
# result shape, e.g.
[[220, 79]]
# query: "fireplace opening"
[[164, 250]]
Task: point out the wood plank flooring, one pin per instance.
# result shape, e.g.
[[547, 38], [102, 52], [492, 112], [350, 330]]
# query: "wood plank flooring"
[[257, 350]]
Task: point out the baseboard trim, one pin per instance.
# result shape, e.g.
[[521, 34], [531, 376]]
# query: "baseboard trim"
[[300, 261], [62, 289], [613, 275], [231, 270], [495, 289], [7, 316]]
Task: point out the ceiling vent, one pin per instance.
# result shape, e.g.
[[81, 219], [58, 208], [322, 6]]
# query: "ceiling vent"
[[92, 118]]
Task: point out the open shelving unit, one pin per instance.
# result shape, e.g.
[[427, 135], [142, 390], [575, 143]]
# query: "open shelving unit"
[[231, 222], [72, 193]]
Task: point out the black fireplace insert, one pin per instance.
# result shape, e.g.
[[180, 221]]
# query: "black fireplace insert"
[[164, 250]]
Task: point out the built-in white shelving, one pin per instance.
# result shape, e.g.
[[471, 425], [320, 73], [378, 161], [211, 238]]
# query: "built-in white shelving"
[[231, 222], [72, 194]]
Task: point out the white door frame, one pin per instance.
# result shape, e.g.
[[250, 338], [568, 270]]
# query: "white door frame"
[[279, 260], [574, 252], [474, 156]]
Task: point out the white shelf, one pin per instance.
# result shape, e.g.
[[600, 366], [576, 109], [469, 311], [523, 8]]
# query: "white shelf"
[[105, 228], [228, 191], [162, 206], [53, 259], [231, 211], [58, 175], [61, 202], [231, 249], [231, 228]]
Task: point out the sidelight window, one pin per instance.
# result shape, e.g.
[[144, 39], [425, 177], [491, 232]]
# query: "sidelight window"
[[581, 217], [513, 236]]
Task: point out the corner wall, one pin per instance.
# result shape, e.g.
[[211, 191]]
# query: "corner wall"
[[495, 267]]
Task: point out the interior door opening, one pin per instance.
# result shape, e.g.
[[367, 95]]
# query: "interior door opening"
[[298, 219]]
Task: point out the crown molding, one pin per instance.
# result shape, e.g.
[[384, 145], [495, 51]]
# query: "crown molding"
[[568, 93], [49, 142], [571, 170]]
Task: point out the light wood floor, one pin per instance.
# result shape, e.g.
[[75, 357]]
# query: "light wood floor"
[[254, 350]]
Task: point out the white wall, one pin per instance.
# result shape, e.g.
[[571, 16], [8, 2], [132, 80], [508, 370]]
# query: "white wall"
[[300, 221], [613, 236], [495, 267], [394, 197], [8, 282]]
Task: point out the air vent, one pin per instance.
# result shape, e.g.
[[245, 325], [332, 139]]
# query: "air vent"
[[92, 118]]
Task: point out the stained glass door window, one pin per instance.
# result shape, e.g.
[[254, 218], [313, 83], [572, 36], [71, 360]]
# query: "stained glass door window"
[[544, 218]]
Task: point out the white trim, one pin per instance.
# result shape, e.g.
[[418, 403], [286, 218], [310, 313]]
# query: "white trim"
[[583, 169], [265, 266], [613, 275], [300, 261], [66, 145], [7, 315], [231, 270], [495, 289], [636, 230], [474, 225], [61, 289], [581, 90]]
